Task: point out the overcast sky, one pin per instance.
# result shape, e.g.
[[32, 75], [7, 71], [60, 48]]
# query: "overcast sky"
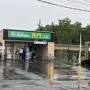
[[25, 14]]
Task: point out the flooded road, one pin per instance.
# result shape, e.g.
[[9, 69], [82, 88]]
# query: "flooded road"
[[65, 78], [8, 73], [69, 72], [61, 72]]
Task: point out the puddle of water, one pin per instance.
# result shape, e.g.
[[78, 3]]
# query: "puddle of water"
[[70, 73], [9, 74]]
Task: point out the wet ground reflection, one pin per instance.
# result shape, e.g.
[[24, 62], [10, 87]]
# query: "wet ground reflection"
[[65, 75], [68, 75], [69, 72], [6, 73], [61, 72]]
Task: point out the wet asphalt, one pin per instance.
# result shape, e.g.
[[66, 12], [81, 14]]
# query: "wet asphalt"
[[12, 78]]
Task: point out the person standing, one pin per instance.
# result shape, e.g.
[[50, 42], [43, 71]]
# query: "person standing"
[[20, 54]]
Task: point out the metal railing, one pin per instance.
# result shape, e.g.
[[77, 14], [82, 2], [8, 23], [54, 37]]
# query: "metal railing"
[[71, 47]]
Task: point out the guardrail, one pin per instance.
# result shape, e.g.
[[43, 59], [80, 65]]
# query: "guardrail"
[[70, 46]]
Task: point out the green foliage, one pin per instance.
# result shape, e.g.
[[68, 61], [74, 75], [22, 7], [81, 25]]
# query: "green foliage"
[[67, 33]]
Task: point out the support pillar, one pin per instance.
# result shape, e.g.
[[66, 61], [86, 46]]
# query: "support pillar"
[[50, 50]]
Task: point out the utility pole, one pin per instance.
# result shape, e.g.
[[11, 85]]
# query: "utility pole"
[[68, 46], [39, 25], [79, 62]]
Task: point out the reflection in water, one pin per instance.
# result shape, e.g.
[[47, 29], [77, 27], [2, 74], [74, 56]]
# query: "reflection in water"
[[61, 73], [7, 73], [64, 72], [78, 85], [70, 72], [1, 70]]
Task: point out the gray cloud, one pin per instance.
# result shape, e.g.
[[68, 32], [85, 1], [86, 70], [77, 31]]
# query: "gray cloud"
[[25, 14]]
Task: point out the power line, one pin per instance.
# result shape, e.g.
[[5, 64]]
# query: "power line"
[[64, 6], [71, 2], [79, 2]]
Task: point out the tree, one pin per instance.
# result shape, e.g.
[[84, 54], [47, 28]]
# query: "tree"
[[78, 29], [86, 33], [67, 33]]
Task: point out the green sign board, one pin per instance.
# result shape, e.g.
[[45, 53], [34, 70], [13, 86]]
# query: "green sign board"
[[29, 35]]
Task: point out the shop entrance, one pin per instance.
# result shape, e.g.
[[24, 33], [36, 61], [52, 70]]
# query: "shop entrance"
[[27, 55], [29, 50]]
